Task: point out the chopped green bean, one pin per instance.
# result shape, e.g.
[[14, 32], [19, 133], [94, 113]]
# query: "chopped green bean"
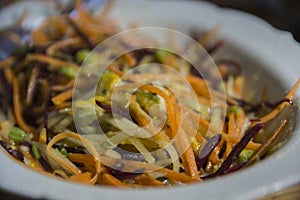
[[16, 134], [35, 152]]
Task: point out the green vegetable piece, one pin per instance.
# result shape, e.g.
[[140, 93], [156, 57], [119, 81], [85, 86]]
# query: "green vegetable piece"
[[275, 147], [81, 55], [36, 152], [108, 81], [215, 168], [146, 99], [16, 134], [232, 109], [63, 151], [161, 54], [68, 71], [245, 155]]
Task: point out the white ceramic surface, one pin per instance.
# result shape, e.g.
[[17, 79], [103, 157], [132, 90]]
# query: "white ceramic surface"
[[274, 50]]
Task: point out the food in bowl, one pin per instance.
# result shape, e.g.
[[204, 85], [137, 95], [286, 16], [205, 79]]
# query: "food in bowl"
[[147, 134]]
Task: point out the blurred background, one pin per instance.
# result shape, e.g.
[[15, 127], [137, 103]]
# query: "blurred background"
[[282, 14]]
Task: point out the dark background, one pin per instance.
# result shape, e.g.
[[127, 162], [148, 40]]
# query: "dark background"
[[282, 14]]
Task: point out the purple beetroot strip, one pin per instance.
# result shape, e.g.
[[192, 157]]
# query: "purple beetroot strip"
[[215, 47], [125, 175], [18, 155], [46, 166], [237, 149], [211, 144], [110, 109], [252, 107], [235, 168], [127, 155]]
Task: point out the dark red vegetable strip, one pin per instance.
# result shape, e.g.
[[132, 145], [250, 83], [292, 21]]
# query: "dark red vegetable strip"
[[202, 157], [74, 150], [18, 155], [46, 166], [266, 146], [127, 155], [270, 104], [26, 143], [230, 170], [215, 47], [110, 109], [125, 175], [235, 168], [237, 149], [249, 107]]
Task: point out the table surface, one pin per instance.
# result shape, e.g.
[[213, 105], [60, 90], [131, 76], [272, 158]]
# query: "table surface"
[[291, 193]]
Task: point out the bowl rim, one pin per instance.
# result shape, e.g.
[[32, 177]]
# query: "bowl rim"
[[258, 180]]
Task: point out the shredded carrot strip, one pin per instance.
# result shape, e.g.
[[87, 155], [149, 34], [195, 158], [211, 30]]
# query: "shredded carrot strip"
[[130, 165], [81, 158], [147, 180], [200, 138], [69, 85], [31, 85], [7, 62], [60, 98], [170, 110], [142, 120], [264, 148], [81, 178], [240, 120], [111, 180], [63, 44], [130, 59], [279, 108], [114, 69], [207, 125], [63, 105], [188, 157], [18, 108], [199, 86], [293, 90], [251, 145], [86, 142], [39, 37], [8, 74], [55, 63]]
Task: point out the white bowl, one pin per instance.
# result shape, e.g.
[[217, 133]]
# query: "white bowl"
[[254, 42]]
